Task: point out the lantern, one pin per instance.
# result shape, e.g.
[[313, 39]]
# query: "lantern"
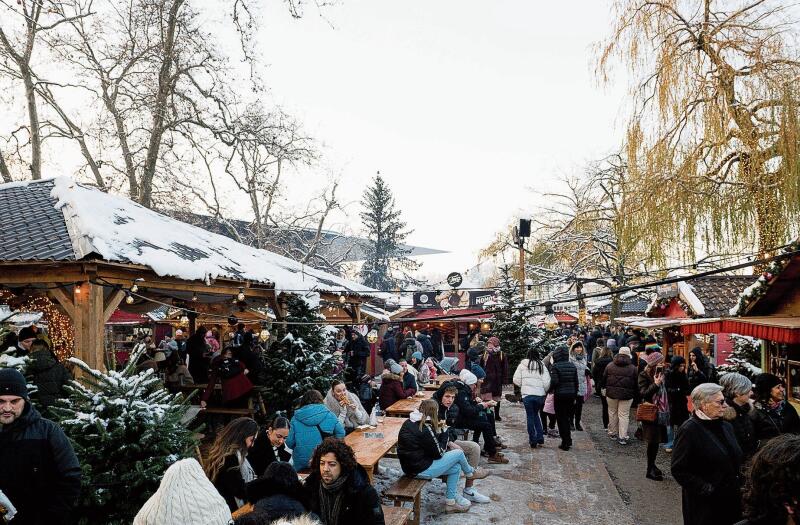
[[263, 336], [372, 336]]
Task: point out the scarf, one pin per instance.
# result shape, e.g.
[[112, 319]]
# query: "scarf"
[[331, 498], [248, 474], [701, 415]]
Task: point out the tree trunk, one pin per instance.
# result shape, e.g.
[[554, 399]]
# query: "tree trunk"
[[33, 122], [4, 171]]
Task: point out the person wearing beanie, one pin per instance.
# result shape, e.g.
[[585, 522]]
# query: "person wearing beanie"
[[564, 382], [392, 389], [473, 414], [773, 415], [652, 389], [25, 338], [184, 497], [34, 454], [495, 363]]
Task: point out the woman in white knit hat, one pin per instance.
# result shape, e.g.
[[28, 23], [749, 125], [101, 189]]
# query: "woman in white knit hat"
[[185, 497]]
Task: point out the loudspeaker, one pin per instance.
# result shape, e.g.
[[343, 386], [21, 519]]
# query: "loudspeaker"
[[524, 228]]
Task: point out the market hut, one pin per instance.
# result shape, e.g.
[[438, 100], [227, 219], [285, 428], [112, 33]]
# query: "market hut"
[[77, 254]]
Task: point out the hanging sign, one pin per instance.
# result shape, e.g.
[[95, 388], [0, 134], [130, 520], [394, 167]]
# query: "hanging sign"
[[455, 280]]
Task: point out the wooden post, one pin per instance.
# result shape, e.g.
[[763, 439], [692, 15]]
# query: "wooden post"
[[89, 324]]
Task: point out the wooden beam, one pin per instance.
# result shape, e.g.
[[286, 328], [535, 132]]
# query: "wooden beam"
[[111, 304], [184, 286], [63, 297], [357, 311], [89, 325]]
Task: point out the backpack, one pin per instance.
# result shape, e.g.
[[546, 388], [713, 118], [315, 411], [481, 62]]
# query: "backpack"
[[229, 368]]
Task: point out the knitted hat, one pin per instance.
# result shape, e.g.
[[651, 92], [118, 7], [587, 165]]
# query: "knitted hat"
[[478, 371], [494, 341], [12, 383], [417, 356], [625, 351], [764, 383], [185, 497], [611, 343], [467, 377], [652, 359], [26, 333], [652, 347], [396, 369]]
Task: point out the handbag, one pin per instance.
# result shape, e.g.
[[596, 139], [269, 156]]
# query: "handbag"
[[646, 412]]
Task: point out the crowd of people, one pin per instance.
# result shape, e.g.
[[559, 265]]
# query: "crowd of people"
[[713, 425], [733, 441]]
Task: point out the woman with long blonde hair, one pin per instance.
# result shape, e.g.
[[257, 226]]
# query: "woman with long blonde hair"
[[422, 449], [226, 464]]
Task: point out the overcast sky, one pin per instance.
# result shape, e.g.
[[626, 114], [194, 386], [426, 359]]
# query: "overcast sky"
[[463, 106]]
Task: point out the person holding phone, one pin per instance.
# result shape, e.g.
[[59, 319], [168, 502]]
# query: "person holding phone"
[[652, 389]]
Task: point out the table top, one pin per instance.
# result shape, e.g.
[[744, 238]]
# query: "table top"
[[441, 378], [370, 450], [404, 407]]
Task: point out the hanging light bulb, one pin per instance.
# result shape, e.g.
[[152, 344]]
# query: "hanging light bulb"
[[194, 297], [129, 298], [263, 336], [134, 288], [184, 319], [342, 298], [240, 296], [372, 336]]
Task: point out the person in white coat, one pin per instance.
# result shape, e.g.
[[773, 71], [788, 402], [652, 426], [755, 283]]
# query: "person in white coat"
[[534, 381]]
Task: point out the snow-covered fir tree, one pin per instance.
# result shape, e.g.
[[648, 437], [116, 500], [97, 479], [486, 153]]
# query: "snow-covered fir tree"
[[8, 357], [745, 357], [299, 361], [126, 430], [386, 264], [516, 333]]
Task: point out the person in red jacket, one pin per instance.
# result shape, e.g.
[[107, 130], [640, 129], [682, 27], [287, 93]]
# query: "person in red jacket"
[[392, 389], [235, 384]]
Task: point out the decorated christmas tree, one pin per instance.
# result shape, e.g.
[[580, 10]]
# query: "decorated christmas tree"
[[516, 333], [745, 357], [126, 430], [299, 361]]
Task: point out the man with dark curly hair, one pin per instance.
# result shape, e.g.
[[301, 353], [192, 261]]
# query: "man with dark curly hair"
[[338, 489], [772, 487]]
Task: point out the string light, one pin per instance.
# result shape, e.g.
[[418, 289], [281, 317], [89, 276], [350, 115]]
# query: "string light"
[[59, 325]]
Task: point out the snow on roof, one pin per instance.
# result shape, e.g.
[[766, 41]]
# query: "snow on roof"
[[686, 291], [121, 230]]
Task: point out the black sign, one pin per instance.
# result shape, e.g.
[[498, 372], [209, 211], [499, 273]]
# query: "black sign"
[[425, 300], [452, 299], [455, 279], [480, 297]]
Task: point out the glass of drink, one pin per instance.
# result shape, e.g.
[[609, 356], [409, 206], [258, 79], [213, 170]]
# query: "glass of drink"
[[380, 414]]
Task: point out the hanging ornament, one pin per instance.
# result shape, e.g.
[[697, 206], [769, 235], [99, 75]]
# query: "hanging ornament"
[[263, 336], [372, 336]]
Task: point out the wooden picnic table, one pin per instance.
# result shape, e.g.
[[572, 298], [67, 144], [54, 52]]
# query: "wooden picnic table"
[[404, 407], [442, 378], [370, 450]]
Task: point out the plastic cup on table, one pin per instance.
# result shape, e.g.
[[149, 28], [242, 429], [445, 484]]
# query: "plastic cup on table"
[[380, 415]]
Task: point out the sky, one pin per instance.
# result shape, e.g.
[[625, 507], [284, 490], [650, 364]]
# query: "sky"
[[468, 109]]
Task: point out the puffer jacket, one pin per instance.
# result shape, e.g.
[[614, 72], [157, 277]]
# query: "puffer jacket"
[[598, 371], [392, 390], [620, 378], [563, 374], [306, 429], [49, 376], [532, 382], [418, 448]]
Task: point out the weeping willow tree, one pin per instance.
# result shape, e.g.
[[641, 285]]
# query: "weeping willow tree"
[[712, 142]]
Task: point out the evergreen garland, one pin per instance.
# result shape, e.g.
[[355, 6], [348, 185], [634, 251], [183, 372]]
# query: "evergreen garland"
[[126, 430], [299, 361]]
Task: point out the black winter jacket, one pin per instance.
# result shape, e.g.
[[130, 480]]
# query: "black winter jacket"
[[388, 348], [468, 410], [563, 374], [362, 504], [768, 423], [277, 506], [40, 473], [229, 482], [261, 454], [677, 384], [706, 462], [49, 376], [417, 449], [619, 378], [598, 370], [427, 346], [739, 418]]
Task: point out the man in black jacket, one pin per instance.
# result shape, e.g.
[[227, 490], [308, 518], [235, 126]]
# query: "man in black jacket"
[[564, 382], [358, 351], [40, 473], [338, 488]]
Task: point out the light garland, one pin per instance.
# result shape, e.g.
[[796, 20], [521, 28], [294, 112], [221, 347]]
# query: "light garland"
[[59, 325]]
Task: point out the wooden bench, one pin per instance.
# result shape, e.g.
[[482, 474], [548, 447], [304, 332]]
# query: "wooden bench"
[[242, 412], [409, 490], [395, 515]]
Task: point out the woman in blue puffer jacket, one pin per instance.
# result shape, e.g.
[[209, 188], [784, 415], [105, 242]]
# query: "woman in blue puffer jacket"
[[311, 423]]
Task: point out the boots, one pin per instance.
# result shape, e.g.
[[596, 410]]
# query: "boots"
[[654, 474]]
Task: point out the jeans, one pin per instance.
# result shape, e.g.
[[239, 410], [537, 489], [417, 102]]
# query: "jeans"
[[618, 417], [578, 409], [451, 464], [670, 437], [533, 404], [565, 412]]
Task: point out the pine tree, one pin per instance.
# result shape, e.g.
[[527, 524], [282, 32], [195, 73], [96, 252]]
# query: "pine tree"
[[516, 333], [9, 358], [300, 360], [386, 265], [126, 430], [745, 357]]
